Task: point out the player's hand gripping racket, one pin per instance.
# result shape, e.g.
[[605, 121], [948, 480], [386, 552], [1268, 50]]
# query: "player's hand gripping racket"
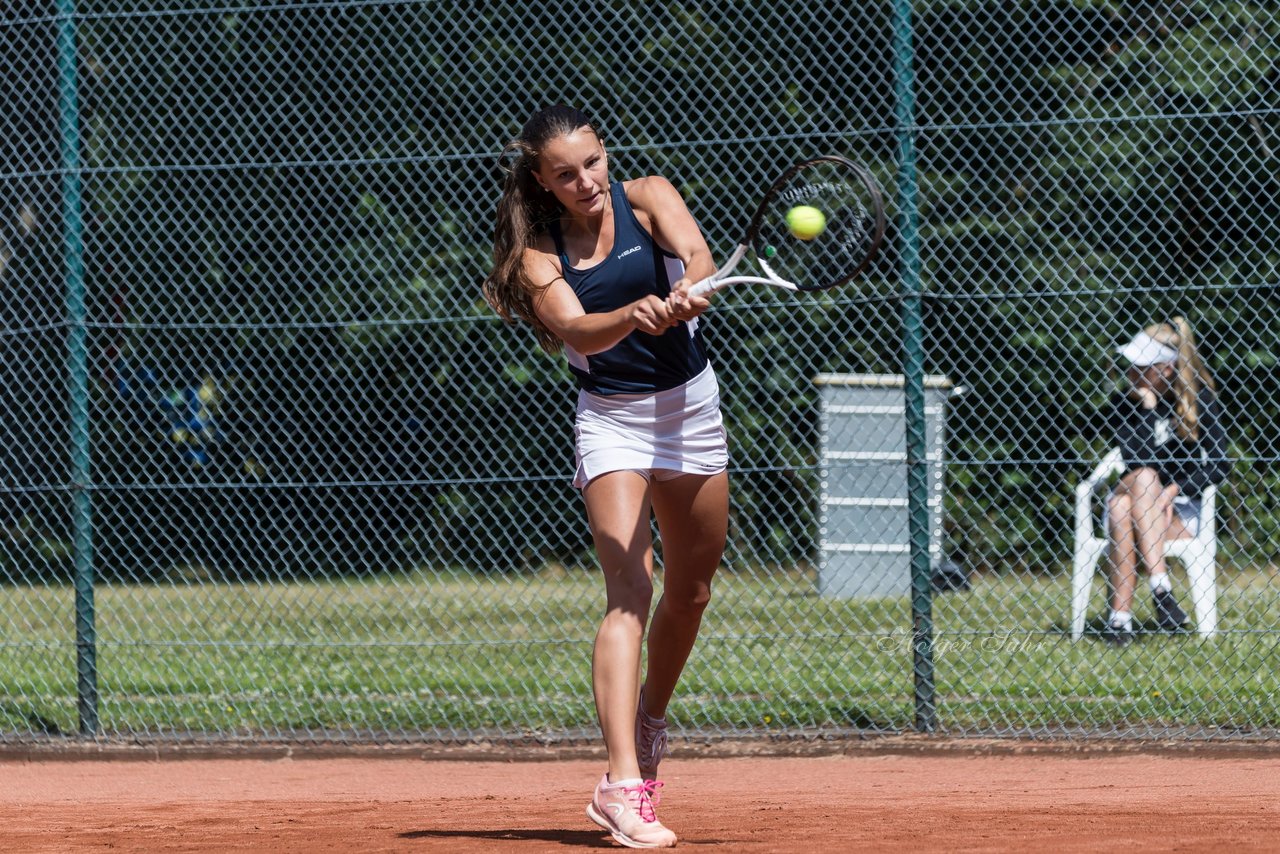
[[807, 254]]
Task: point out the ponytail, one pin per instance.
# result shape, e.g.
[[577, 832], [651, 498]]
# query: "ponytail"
[[524, 213], [1190, 376]]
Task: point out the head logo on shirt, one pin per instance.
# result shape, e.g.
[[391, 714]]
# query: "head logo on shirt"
[[627, 252]]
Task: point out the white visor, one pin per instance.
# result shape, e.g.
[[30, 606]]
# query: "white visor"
[[1144, 350]]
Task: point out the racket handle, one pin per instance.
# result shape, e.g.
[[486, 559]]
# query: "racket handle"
[[706, 286]]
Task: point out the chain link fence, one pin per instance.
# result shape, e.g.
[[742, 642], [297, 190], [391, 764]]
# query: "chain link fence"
[[271, 470]]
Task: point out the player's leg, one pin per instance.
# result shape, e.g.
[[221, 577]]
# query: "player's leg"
[[1150, 517], [1122, 530], [618, 510], [1153, 516], [1123, 551], [692, 513], [1169, 614]]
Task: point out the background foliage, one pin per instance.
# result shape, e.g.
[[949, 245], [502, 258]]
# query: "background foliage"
[[289, 213]]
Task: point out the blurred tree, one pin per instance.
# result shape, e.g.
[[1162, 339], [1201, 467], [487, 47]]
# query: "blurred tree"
[[296, 202]]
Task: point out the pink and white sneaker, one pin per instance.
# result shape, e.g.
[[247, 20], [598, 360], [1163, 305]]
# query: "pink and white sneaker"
[[628, 810]]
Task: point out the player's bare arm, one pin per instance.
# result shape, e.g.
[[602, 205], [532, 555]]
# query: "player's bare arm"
[[558, 308], [662, 210]]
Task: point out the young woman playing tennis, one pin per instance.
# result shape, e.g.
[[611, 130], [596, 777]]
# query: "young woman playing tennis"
[[600, 270]]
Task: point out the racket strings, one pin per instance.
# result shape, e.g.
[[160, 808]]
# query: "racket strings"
[[842, 248]]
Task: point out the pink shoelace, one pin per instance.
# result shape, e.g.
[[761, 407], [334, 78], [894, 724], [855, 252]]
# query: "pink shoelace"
[[644, 799]]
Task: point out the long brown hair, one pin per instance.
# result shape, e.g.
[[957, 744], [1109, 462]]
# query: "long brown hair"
[[524, 212], [1190, 375]]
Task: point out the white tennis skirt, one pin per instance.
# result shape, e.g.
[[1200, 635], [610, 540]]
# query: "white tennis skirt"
[[661, 435]]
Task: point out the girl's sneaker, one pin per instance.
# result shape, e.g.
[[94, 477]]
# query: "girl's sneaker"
[[1169, 616], [651, 741], [628, 810]]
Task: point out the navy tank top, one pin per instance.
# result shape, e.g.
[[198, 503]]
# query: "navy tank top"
[[635, 266]]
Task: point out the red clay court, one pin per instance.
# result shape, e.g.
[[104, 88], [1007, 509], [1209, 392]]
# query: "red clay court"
[[1191, 799]]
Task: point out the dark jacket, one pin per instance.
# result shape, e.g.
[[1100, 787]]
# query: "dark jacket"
[[1147, 437]]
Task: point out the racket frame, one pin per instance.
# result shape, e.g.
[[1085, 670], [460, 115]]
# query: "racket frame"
[[721, 278]]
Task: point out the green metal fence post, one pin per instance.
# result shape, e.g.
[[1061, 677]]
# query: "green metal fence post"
[[77, 368], [913, 372]]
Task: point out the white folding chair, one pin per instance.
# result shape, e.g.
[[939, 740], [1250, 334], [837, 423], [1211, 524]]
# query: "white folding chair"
[[1197, 555]]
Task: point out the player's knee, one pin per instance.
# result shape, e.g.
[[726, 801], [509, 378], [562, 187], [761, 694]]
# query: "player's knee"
[[1145, 484], [690, 602], [634, 594]]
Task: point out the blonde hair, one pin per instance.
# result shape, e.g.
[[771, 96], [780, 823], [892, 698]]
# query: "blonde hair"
[[524, 212], [1190, 374]]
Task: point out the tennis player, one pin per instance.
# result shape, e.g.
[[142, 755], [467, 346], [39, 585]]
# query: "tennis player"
[[1170, 433], [600, 270]]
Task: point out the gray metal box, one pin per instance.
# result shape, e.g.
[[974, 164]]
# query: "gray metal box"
[[863, 538]]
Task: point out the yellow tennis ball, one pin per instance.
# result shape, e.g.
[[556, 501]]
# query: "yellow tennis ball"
[[806, 222]]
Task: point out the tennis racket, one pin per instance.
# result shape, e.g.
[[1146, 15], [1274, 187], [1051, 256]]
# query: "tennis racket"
[[851, 201]]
